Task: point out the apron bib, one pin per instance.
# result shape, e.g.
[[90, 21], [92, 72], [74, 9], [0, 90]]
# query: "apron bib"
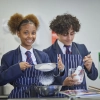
[[72, 61]]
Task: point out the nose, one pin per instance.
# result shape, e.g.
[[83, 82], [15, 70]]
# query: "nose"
[[69, 36], [30, 35]]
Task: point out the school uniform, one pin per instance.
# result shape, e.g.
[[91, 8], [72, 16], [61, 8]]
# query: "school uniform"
[[10, 71], [72, 60]]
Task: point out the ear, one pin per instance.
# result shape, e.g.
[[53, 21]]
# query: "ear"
[[18, 34]]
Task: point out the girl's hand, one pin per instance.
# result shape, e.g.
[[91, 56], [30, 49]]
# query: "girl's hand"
[[24, 65]]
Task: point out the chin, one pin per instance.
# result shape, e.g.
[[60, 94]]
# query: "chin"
[[29, 44], [68, 44]]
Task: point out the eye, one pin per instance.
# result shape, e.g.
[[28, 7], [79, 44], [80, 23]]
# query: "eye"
[[72, 33], [64, 34], [26, 32], [33, 33]]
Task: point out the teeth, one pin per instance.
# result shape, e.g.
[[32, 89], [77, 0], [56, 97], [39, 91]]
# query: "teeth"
[[29, 40]]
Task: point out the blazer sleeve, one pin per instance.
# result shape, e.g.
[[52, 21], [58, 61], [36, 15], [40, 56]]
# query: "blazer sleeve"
[[8, 72], [93, 73]]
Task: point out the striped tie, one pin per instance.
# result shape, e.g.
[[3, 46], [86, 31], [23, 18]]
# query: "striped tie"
[[67, 49], [29, 59]]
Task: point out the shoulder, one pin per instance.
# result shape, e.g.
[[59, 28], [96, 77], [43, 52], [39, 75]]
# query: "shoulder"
[[78, 44], [9, 54], [51, 51], [82, 46], [52, 48], [82, 49], [41, 53], [48, 49]]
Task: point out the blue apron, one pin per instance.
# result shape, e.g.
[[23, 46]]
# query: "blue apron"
[[30, 76], [73, 60]]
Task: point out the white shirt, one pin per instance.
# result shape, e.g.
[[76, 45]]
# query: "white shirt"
[[63, 49], [23, 51]]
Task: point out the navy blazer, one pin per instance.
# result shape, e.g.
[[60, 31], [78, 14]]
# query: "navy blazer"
[[81, 49], [10, 69]]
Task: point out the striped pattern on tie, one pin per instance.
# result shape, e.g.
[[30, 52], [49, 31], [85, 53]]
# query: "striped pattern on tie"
[[67, 49], [29, 59]]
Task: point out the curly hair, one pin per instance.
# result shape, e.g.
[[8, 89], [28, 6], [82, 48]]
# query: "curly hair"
[[62, 23], [17, 20]]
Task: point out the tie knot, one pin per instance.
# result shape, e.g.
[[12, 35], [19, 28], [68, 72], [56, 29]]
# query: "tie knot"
[[67, 49], [67, 46], [28, 53]]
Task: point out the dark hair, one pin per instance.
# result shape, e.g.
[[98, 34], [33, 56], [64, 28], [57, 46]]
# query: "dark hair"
[[62, 23], [23, 22]]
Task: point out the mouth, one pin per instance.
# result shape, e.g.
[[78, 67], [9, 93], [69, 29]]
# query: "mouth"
[[29, 41], [67, 42]]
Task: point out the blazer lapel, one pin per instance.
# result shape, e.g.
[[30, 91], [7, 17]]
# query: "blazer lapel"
[[38, 59], [56, 50], [74, 49]]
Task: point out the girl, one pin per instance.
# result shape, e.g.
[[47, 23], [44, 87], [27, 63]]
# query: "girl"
[[16, 64]]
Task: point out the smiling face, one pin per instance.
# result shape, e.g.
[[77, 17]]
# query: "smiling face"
[[27, 35], [67, 39]]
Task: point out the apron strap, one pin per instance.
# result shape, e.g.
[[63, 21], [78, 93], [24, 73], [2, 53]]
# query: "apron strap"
[[37, 56]]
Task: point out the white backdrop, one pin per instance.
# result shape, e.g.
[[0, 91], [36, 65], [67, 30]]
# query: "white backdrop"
[[87, 11]]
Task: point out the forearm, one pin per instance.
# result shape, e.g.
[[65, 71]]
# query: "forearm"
[[9, 74]]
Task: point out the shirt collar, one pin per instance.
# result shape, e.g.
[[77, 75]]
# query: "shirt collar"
[[23, 50], [61, 45]]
